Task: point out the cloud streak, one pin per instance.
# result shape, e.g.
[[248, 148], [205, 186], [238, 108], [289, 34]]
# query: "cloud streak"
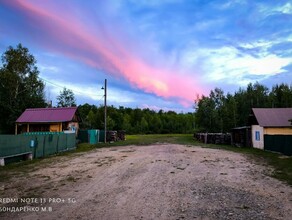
[[167, 51], [65, 34]]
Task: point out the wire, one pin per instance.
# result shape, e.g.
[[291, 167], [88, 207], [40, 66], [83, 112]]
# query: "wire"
[[81, 93]]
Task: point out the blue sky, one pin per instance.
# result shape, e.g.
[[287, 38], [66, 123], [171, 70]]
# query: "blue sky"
[[155, 54]]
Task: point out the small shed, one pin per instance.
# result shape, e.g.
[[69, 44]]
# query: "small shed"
[[48, 120], [271, 129], [241, 136]]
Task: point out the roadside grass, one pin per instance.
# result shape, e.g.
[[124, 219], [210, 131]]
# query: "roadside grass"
[[282, 165], [23, 168], [142, 140]]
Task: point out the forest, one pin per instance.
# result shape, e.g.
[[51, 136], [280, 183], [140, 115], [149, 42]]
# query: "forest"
[[214, 113], [136, 121], [220, 113]]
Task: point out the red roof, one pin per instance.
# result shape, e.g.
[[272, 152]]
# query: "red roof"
[[273, 117], [47, 115]]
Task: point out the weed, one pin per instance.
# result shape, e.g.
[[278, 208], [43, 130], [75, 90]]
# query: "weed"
[[71, 179]]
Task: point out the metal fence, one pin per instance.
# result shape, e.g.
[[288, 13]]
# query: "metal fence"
[[89, 136], [95, 136], [278, 143], [40, 144]]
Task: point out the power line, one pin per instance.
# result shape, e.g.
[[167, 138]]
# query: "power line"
[[81, 93], [100, 99]]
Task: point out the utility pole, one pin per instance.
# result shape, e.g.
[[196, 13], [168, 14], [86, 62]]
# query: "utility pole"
[[105, 84]]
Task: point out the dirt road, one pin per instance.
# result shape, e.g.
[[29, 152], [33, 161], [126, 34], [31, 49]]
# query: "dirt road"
[[152, 182]]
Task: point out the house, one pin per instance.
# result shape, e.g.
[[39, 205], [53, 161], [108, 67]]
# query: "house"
[[48, 120], [271, 129]]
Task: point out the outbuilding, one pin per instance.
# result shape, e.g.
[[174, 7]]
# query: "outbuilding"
[[241, 136], [271, 129], [48, 120]]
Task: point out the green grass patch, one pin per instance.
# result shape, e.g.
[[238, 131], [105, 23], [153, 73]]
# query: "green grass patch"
[[281, 164], [83, 147], [71, 179], [142, 140]]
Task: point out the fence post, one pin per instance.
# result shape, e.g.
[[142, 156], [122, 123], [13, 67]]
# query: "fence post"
[[35, 147], [206, 138], [44, 143], [58, 143]]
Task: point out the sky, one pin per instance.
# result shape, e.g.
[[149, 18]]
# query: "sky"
[[157, 54]]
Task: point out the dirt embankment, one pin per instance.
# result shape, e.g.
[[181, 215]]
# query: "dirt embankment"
[[152, 182]]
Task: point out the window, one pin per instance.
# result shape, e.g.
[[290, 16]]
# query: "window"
[[257, 136]]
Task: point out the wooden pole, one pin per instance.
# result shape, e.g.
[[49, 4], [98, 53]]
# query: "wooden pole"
[[105, 85]]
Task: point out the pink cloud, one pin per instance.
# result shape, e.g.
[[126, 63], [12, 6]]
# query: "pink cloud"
[[66, 34]]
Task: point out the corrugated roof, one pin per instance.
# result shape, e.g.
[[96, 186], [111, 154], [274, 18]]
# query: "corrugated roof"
[[47, 115], [273, 117]]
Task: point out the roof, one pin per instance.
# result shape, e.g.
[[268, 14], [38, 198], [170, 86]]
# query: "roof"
[[240, 128], [273, 117], [47, 115]]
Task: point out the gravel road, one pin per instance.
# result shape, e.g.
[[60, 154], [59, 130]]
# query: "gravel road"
[[161, 181]]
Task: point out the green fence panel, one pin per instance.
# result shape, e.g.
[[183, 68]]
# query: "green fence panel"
[[278, 143], [67, 142], [62, 142], [83, 136], [101, 136], [93, 136], [269, 143], [287, 149], [39, 150], [41, 144], [50, 144], [13, 144], [71, 141]]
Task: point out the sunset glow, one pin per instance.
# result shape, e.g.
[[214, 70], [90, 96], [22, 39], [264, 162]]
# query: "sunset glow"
[[167, 59]]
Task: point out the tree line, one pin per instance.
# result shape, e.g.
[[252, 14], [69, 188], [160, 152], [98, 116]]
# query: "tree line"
[[136, 121], [214, 113], [220, 113]]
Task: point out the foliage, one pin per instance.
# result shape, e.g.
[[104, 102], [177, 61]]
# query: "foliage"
[[136, 121], [221, 113], [214, 113], [66, 98], [20, 87]]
